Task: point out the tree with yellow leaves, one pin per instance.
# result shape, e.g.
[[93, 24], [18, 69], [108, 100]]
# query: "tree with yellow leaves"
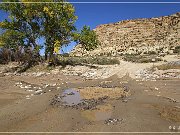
[[53, 21], [59, 19]]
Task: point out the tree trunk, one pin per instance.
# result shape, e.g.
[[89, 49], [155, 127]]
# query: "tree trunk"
[[46, 54]]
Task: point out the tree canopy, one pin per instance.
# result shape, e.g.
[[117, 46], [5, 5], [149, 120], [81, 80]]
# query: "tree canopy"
[[55, 22], [87, 38]]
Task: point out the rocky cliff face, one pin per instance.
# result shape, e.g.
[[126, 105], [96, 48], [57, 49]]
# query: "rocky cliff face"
[[139, 36]]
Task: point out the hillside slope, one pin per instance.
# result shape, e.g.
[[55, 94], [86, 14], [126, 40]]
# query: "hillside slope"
[[138, 36]]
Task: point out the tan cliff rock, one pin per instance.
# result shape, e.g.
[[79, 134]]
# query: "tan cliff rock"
[[138, 36]]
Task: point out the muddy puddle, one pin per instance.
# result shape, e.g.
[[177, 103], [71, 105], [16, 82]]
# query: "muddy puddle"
[[71, 97], [93, 109], [92, 102], [87, 98], [101, 113], [169, 113], [96, 115]]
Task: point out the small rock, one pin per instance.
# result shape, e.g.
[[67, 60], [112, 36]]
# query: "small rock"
[[112, 121], [54, 84], [27, 87], [124, 100], [29, 90], [71, 93], [2, 75]]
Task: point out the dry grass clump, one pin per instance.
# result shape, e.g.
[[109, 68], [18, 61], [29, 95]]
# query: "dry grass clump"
[[101, 112], [87, 60], [177, 50], [170, 113], [141, 58], [166, 67], [169, 65], [98, 92]]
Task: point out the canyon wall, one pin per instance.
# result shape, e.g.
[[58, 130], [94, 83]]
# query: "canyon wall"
[[138, 36]]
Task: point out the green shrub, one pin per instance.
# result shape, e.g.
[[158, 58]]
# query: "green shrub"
[[167, 66], [87, 60], [151, 52], [65, 54], [145, 60], [105, 61], [141, 58], [176, 49], [131, 57]]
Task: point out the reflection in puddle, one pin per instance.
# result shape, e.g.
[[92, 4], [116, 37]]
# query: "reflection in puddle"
[[102, 112], [96, 115], [71, 97]]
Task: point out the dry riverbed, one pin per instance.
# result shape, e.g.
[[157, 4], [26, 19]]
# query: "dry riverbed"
[[107, 105], [66, 103]]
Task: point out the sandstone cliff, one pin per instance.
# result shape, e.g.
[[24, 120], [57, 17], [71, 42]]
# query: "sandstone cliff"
[[138, 36]]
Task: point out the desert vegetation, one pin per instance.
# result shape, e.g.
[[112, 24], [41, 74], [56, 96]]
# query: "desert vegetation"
[[177, 50], [119, 77], [87, 60], [170, 65], [28, 23], [141, 58]]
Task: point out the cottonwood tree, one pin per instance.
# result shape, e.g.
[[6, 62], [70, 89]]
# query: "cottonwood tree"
[[53, 21], [87, 38], [58, 26], [24, 18], [11, 43]]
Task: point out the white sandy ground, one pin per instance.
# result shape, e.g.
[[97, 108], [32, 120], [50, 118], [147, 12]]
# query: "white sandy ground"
[[135, 70], [152, 106], [105, 71]]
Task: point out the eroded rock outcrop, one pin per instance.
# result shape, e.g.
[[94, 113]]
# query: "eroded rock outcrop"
[[139, 36]]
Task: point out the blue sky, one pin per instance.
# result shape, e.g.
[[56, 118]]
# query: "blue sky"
[[97, 14]]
